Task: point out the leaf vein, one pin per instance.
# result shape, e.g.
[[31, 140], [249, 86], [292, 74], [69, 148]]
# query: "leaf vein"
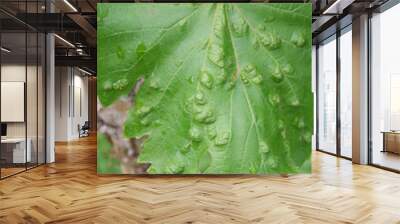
[[291, 12], [154, 45], [268, 52], [243, 87]]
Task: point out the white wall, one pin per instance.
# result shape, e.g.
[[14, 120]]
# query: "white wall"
[[61, 103], [33, 126], [70, 84], [81, 82], [16, 73]]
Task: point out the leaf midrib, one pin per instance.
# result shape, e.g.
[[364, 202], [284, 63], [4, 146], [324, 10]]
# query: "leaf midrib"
[[243, 87]]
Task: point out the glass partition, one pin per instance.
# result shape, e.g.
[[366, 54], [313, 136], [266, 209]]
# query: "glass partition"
[[41, 109], [14, 153], [22, 101], [32, 96]]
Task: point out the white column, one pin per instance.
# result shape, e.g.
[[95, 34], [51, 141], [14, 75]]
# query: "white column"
[[50, 100], [360, 90], [50, 92]]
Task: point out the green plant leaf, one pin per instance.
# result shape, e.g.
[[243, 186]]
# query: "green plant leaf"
[[227, 87], [106, 163]]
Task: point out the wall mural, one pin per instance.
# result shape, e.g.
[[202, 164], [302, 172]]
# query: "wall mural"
[[204, 88]]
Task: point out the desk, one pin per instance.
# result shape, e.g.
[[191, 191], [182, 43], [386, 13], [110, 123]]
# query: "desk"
[[391, 141], [16, 147]]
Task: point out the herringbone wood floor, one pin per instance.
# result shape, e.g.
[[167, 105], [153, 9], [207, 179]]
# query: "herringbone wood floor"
[[70, 191]]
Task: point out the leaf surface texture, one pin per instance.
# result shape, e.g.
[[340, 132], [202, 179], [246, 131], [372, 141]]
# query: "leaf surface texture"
[[227, 87]]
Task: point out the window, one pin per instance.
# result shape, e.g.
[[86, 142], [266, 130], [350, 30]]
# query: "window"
[[346, 92], [327, 96], [333, 137], [385, 89]]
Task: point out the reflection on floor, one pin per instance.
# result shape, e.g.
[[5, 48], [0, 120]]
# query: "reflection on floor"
[[70, 191], [387, 159], [346, 152], [9, 170]]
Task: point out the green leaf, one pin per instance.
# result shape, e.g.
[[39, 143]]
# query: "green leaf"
[[227, 87], [105, 160]]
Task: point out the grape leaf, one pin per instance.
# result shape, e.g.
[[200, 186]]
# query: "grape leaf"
[[227, 87], [105, 160]]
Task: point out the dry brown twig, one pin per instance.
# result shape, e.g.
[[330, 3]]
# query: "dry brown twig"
[[111, 120]]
